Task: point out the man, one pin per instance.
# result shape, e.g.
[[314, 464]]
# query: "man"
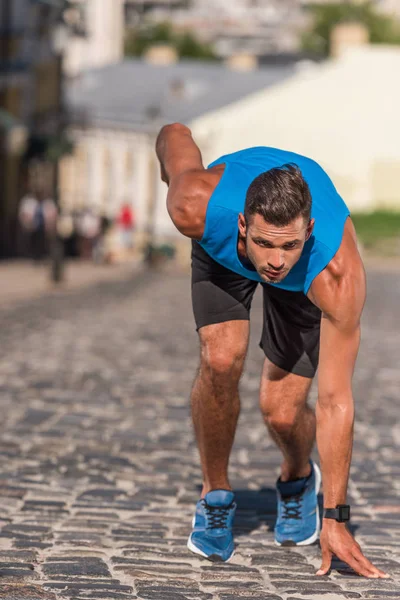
[[268, 216], [126, 223], [37, 217]]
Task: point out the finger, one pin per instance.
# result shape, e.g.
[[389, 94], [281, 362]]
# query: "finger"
[[326, 561], [363, 560], [358, 566]]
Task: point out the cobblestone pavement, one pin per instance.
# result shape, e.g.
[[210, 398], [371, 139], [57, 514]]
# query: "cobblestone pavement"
[[22, 279], [99, 472]]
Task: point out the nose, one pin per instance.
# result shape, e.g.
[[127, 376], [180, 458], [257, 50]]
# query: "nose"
[[275, 262]]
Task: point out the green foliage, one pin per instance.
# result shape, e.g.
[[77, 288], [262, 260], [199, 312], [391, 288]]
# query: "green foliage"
[[49, 148], [138, 40], [58, 146], [377, 230], [187, 45], [382, 28]]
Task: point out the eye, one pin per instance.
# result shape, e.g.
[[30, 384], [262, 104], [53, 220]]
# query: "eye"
[[290, 246]]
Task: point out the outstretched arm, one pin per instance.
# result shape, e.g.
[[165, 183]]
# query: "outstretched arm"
[[341, 299], [183, 171]]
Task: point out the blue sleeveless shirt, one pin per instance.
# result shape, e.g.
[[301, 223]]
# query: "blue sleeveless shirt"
[[221, 230]]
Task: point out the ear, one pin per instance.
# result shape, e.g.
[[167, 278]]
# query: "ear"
[[310, 228], [242, 225]]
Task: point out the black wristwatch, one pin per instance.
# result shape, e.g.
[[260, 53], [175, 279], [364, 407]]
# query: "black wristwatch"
[[341, 513]]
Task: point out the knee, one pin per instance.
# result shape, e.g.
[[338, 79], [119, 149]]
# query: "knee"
[[282, 398], [223, 350], [280, 421], [221, 364]]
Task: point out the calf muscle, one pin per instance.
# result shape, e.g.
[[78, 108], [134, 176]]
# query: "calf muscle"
[[215, 398]]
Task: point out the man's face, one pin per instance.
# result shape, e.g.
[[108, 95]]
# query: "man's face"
[[274, 250]]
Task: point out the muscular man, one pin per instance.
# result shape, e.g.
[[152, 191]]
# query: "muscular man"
[[272, 217]]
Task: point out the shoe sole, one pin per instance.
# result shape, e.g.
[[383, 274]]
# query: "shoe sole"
[[195, 550], [212, 557], [313, 538]]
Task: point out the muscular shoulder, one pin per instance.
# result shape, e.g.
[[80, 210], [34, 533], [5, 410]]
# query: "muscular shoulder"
[[188, 198], [339, 290]]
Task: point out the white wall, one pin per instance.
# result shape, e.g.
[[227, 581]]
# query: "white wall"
[[344, 114], [392, 7], [99, 175], [104, 42]]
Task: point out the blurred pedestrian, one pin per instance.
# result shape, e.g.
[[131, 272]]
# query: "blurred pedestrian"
[[126, 224], [65, 229], [37, 218], [88, 228], [100, 248]]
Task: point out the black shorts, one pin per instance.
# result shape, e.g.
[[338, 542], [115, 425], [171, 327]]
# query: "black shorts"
[[291, 328]]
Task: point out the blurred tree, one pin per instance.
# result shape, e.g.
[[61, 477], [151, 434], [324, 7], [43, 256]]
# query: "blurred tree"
[[383, 29], [189, 46], [139, 39]]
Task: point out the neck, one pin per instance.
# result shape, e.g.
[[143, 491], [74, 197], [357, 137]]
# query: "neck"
[[242, 254], [242, 248]]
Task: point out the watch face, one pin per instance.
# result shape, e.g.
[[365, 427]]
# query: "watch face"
[[344, 513]]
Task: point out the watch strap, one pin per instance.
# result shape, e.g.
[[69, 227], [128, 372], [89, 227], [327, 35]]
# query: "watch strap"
[[341, 513], [331, 513]]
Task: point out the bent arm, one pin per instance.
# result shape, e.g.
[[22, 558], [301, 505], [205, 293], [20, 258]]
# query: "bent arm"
[[177, 152], [182, 170]]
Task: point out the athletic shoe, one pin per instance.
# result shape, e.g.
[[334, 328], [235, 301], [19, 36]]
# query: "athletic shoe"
[[298, 522], [212, 526]]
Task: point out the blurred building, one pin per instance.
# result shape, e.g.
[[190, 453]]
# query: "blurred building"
[[391, 7], [30, 105], [114, 160], [136, 10], [343, 113], [253, 26], [99, 39], [260, 27]]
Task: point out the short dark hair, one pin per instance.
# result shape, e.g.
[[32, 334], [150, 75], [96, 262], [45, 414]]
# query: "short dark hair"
[[279, 195]]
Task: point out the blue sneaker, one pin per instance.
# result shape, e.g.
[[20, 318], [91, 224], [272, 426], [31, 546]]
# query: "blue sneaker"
[[298, 522], [212, 526]]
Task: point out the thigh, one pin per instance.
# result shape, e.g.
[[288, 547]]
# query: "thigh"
[[218, 294], [291, 330]]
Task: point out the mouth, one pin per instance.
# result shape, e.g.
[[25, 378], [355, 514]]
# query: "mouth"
[[273, 275]]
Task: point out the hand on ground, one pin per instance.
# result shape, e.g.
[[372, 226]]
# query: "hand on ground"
[[336, 539]]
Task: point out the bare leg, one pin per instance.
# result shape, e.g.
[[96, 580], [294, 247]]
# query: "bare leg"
[[290, 421], [215, 398]]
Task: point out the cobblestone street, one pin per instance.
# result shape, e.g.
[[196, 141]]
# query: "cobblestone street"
[[99, 471]]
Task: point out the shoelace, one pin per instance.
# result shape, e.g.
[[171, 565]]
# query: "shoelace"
[[217, 515], [292, 507]]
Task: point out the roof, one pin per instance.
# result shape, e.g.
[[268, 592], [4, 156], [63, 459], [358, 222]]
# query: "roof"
[[135, 94]]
